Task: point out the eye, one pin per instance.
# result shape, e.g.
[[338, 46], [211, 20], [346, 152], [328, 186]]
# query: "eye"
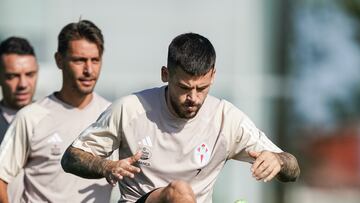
[[185, 88], [95, 60], [10, 76], [78, 61], [31, 74], [201, 89]]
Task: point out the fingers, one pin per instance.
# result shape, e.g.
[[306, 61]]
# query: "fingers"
[[254, 154], [111, 179], [123, 168], [133, 159], [266, 166], [257, 162], [271, 175]]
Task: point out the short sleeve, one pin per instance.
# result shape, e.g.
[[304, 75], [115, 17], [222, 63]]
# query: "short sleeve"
[[104, 136], [14, 149], [243, 136]]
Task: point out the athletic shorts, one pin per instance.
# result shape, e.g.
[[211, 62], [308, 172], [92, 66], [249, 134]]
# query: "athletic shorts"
[[144, 197]]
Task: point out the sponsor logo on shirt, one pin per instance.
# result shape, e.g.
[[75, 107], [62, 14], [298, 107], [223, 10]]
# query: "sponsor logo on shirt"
[[146, 153], [55, 138], [145, 141], [145, 145], [202, 154]]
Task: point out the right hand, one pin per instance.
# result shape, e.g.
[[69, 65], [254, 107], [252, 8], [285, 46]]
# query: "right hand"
[[117, 170], [266, 165]]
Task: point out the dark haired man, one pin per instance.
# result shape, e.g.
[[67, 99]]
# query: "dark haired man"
[[40, 132], [18, 76], [174, 140]]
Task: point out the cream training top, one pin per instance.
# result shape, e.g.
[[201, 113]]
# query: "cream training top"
[[36, 141], [193, 150]]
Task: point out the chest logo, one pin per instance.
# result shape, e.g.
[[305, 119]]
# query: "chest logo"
[[146, 153], [145, 142], [145, 146], [202, 154], [55, 141]]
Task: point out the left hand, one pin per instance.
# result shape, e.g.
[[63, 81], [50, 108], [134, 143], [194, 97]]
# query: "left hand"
[[266, 165], [116, 170]]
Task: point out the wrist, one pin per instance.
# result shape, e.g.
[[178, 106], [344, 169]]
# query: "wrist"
[[282, 160], [106, 167]]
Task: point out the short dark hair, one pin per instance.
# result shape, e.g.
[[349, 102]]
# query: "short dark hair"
[[191, 52], [84, 29], [16, 45]]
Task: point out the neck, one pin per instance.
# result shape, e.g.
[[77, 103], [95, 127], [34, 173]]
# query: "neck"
[[6, 105], [74, 99]]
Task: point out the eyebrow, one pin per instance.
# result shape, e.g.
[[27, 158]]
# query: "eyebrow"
[[83, 57], [197, 87]]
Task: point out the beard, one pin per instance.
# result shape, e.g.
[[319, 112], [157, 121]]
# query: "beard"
[[81, 90], [180, 109]]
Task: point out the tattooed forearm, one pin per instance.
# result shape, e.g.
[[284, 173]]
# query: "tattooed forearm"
[[83, 164], [290, 170]]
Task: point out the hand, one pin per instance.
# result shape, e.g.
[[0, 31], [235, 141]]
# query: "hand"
[[266, 165], [117, 170]]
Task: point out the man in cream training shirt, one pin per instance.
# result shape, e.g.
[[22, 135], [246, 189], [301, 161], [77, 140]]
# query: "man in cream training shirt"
[[18, 76], [40, 133], [174, 140]]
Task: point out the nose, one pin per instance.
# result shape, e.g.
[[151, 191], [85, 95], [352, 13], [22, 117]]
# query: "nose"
[[23, 82], [88, 69], [192, 95]]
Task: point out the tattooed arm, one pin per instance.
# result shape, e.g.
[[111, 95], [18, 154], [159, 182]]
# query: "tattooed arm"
[[86, 165]]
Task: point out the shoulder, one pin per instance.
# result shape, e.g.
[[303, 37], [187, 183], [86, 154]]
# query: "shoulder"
[[101, 101], [227, 108], [27, 118], [230, 110], [144, 99], [34, 110], [129, 103], [137, 103]]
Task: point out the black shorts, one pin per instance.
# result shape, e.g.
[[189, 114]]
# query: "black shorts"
[[144, 197]]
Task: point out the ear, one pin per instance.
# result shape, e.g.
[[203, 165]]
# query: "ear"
[[58, 60], [213, 75], [164, 74]]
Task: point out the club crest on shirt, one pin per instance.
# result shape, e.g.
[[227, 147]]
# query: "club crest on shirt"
[[202, 154]]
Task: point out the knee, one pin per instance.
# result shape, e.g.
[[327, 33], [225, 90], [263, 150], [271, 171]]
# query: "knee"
[[180, 186], [180, 191]]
